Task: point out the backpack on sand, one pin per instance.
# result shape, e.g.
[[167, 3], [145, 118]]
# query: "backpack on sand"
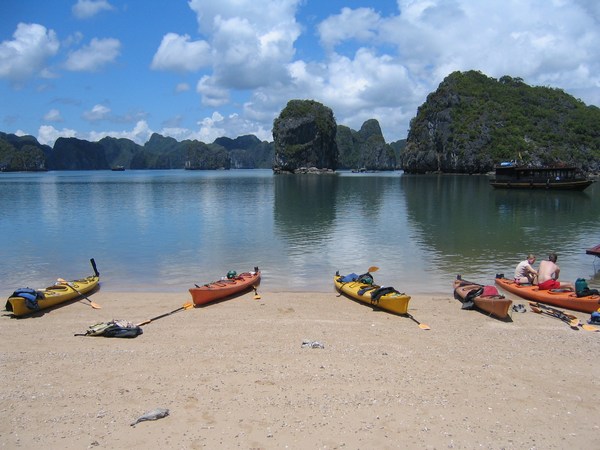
[[114, 328]]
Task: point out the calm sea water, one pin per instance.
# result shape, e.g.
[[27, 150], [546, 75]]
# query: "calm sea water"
[[166, 230]]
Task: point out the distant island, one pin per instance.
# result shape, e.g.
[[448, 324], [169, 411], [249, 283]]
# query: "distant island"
[[468, 125]]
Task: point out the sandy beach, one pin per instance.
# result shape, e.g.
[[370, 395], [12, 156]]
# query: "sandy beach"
[[235, 375]]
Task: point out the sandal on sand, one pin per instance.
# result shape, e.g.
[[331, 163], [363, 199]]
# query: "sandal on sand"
[[520, 308]]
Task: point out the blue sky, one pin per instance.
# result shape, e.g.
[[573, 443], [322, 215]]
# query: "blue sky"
[[201, 69]]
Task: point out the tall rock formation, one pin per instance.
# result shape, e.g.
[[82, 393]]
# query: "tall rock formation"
[[304, 137], [77, 154], [364, 149], [472, 122]]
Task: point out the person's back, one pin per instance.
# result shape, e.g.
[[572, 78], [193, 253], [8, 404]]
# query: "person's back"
[[547, 271], [548, 275]]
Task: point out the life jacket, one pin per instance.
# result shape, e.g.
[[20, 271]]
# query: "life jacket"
[[31, 297]]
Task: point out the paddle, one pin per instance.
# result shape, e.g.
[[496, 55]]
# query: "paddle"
[[186, 306], [573, 323], [422, 326], [573, 320], [256, 296], [92, 304]]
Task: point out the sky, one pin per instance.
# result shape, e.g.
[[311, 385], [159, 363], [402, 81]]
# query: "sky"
[[203, 69]]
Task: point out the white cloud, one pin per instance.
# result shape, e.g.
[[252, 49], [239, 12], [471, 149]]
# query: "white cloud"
[[47, 134], [94, 56], [360, 24], [211, 95], [182, 87], [98, 112], [251, 40], [180, 54], [26, 55], [53, 116], [140, 133], [84, 9]]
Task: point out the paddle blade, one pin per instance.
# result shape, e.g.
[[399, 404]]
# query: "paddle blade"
[[188, 306], [256, 296], [424, 326], [95, 305], [587, 327], [373, 269]]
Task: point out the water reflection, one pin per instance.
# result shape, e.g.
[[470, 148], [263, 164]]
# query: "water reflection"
[[304, 209], [165, 230], [480, 231]]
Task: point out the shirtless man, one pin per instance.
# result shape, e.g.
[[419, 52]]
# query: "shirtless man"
[[548, 275], [525, 273]]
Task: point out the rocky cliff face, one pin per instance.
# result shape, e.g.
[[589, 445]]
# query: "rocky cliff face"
[[365, 149], [431, 147], [77, 154], [304, 136], [472, 122]]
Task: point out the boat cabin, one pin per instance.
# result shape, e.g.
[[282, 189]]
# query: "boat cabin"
[[508, 175]]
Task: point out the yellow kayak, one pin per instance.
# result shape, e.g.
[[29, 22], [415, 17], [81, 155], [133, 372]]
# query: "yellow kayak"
[[26, 301], [386, 298]]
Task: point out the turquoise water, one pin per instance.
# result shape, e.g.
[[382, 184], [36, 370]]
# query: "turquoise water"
[[166, 230]]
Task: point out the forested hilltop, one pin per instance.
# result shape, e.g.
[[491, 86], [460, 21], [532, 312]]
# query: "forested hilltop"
[[472, 122], [469, 124], [25, 153]]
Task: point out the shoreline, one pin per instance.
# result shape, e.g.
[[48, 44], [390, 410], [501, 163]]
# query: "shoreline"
[[235, 374]]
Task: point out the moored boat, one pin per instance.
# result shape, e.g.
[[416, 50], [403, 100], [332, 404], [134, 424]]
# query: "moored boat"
[[486, 300], [386, 298], [225, 287], [557, 297], [595, 251], [26, 301], [513, 176]]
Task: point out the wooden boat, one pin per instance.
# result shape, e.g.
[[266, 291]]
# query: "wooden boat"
[[556, 297], [386, 298], [512, 176], [595, 251], [221, 289], [52, 295], [495, 305]]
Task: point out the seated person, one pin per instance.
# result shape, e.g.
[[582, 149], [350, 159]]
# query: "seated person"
[[548, 275], [525, 273]]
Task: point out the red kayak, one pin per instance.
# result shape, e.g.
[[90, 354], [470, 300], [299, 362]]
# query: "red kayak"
[[489, 302], [221, 289]]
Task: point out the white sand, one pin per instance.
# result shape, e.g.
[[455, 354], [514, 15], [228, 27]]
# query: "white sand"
[[234, 375]]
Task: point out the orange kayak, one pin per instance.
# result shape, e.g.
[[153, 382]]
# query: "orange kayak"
[[556, 297], [495, 305], [221, 289]]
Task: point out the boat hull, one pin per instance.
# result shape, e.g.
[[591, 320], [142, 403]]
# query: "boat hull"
[[53, 295], [394, 302], [567, 185], [567, 300], [595, 251], [497, 306], [221, 289]]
